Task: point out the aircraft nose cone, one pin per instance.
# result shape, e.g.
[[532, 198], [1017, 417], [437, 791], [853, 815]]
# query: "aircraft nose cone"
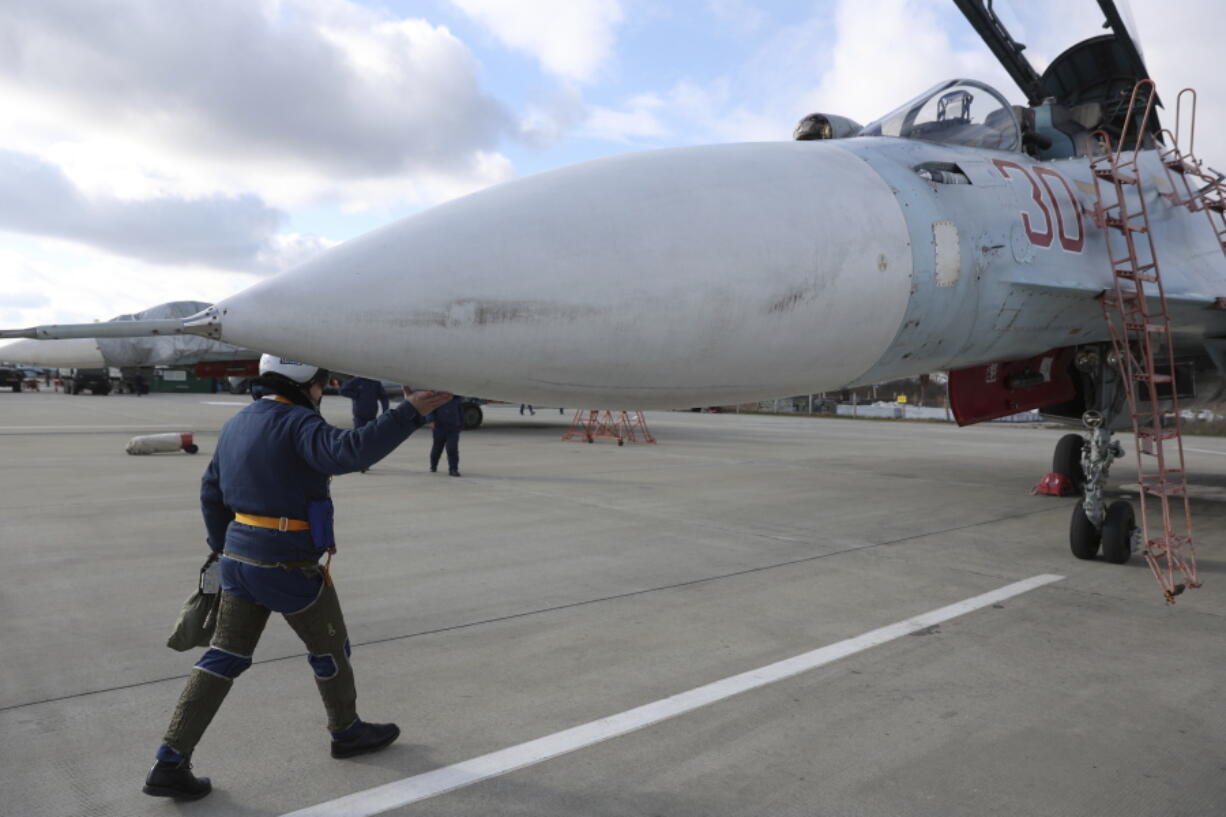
[[679, 277]]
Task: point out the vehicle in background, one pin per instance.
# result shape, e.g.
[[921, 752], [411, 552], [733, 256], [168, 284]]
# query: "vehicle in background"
[[96, 381], [11, 376], [33, 377]]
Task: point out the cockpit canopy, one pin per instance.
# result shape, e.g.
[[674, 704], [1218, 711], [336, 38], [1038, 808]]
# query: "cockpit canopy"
[[954, 112]]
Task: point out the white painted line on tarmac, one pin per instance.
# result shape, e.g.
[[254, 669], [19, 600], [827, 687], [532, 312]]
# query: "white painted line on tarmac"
[[440, 781], [1205, 451], [122, 427]]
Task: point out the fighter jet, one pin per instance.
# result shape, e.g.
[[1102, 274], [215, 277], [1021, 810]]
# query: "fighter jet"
[[138, 354], [1066, 255]]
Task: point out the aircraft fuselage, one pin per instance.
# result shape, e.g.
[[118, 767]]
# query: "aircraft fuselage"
[[726, 273]]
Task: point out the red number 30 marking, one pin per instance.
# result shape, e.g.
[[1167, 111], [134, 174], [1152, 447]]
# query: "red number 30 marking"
[[1044, 237]]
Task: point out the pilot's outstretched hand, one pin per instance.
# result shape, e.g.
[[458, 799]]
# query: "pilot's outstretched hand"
[[426, 401]]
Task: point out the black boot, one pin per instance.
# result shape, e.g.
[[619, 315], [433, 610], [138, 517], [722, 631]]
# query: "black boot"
[[170, 779], [365, 738]]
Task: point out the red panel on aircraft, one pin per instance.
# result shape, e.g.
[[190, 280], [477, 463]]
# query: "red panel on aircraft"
[[228, 368], [982, 393]]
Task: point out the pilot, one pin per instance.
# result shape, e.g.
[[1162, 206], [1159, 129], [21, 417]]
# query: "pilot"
[[367, 396], [268, 517], [448, 421]]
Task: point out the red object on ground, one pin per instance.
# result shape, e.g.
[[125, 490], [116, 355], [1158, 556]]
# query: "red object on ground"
[[1054, 484]]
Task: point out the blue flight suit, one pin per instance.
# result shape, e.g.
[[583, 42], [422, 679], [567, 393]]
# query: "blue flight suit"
[[273, 459], [448, 422], [367, 396], [276, 459]]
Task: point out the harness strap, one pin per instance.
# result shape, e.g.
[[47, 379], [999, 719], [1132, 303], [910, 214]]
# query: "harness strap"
[[282, 523], [258, 563]]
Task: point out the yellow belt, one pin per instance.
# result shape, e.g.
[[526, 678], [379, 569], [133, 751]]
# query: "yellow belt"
[[276, 523]]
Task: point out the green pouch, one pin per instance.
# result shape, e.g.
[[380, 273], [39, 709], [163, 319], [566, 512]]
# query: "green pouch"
[[196, 623], [198, 618]]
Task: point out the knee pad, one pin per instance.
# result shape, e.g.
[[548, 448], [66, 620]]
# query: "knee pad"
[[324, 665], [223, 664]]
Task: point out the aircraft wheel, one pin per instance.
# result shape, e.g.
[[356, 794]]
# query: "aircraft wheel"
[[473, 416], [1067, 459], [1117, 532], [1083, 537]]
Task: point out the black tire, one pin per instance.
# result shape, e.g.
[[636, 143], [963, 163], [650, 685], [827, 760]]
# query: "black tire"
[[473, 416], [1067, 459], [192, 448], [17, 387], [102, 391], [1083, 537], [1117, 532]]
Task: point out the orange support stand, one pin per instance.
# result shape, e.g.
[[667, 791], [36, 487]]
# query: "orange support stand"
[[590, 425]]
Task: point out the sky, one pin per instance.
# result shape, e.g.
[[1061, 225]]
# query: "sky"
[[158, 150]]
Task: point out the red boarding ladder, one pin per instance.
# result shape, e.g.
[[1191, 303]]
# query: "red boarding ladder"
[[1141, 337], [592, 424], [1184, 170]]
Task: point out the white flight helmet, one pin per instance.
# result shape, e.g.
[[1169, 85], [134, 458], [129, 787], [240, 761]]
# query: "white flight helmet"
[[302, 373]]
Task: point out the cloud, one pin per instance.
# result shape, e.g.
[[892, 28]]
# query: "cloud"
[[235, 232], [292, 100], [23, 299], [867, 78], [87, 284], [570, 38], [639, 120], [1178, 57], [547, 119]]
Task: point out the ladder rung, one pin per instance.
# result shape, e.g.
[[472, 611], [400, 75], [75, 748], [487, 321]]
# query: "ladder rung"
[[1145, 327], [1163, 490], [1138, 274], [1157, 436], [1119, 224], [1111, 175]]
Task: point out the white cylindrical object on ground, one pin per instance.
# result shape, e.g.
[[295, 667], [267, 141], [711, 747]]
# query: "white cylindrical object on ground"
[[159, 443]]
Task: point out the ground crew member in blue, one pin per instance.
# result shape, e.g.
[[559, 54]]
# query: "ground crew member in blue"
[[269, 520], [367, 396], [448, 421]]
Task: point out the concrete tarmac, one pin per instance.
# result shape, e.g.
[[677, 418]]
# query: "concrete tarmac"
[[558, 583]]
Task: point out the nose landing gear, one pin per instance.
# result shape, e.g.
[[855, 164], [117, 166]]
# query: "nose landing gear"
[[1085, 461], [1094, 523]]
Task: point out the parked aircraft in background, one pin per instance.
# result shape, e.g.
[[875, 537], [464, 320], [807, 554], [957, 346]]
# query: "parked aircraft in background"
[[956, 233], [137, 355]]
